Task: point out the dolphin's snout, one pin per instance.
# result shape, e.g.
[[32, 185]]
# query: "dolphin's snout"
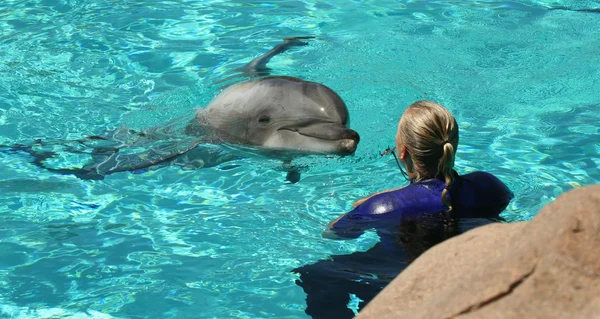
[[353, 135], [349, 143], [348, 147]]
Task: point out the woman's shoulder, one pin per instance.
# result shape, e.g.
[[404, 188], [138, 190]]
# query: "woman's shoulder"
[[479, 174], [484, 179], [400, 193], [415, 197], [479, 194]]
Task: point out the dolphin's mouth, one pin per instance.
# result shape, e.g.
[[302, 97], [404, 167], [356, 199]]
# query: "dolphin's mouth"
[[326, 131], [324, 137]]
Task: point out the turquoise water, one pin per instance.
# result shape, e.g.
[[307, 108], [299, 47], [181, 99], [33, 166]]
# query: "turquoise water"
[[521, 78]]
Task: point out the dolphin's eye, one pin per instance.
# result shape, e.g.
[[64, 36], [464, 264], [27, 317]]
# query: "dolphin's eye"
[[264, 120]]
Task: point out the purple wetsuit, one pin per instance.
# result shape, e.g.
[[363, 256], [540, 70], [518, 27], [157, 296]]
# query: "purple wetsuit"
[[474, 195]]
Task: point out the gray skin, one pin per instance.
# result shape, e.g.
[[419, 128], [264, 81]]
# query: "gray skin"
[[281, 117]]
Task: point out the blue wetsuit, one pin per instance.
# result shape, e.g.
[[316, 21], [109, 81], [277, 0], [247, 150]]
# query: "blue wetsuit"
[[408, 221]]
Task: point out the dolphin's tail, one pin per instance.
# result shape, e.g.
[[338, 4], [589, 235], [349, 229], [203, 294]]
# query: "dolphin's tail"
[[40, 153], [111, 152]]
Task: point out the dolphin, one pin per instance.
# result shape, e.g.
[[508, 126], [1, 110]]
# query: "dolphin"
[[278, 116]]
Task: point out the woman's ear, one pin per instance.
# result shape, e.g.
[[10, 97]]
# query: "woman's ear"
[[402, 152]]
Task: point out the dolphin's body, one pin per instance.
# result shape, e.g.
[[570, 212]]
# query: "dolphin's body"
[[282, 117]]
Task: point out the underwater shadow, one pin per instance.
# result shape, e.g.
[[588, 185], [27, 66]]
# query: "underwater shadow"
[[335, 285]]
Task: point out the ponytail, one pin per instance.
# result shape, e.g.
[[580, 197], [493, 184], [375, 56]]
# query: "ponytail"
[[445, 168]]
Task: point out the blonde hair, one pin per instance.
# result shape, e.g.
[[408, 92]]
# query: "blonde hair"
[[430, 135]]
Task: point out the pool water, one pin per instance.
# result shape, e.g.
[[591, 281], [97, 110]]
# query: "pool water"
[[521, 77]]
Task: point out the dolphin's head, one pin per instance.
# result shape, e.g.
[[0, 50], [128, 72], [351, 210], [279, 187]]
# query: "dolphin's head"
[[283, 114]]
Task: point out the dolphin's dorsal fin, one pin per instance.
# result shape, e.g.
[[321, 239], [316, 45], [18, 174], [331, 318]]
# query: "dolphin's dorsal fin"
[[260, 63], [258, 66]]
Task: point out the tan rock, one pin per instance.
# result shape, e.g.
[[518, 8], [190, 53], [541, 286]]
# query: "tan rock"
[[548, 267]]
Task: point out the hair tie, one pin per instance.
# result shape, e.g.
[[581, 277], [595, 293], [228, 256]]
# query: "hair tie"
[[445, 142]]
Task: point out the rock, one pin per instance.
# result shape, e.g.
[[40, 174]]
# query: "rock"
[[548, 267]]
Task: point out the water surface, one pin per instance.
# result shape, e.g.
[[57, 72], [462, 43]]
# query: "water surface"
[[520, 76]]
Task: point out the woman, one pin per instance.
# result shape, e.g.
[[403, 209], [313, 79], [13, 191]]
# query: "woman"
[[426, 141], [437, 204]]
